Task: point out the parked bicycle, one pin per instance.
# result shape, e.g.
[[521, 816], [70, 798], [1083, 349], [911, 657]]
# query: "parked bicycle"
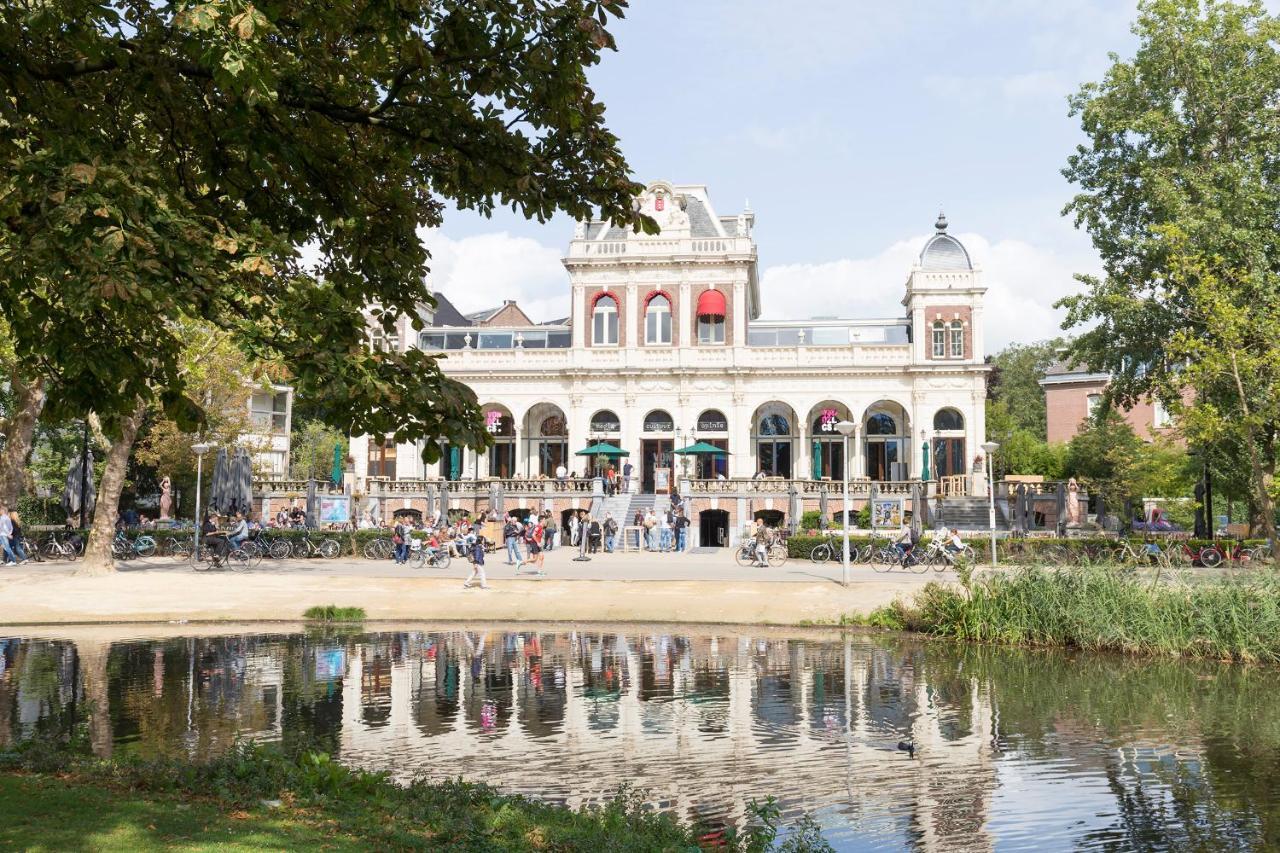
[[124, 548], [420, 555], [379, 549], [306, 547], [66, 546]]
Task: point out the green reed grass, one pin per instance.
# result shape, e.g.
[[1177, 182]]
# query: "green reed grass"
[[1102, 608], [334, 613]]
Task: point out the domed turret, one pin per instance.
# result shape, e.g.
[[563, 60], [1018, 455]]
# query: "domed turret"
[[944, 252]]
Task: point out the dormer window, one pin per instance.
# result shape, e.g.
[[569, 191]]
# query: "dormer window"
[[604, 322], [657, 320]]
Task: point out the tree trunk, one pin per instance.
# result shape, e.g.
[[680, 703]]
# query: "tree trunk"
[[92, 656], [97, 553], [18, 434]]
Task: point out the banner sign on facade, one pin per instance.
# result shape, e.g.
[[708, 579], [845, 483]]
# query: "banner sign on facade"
[[335, 509]]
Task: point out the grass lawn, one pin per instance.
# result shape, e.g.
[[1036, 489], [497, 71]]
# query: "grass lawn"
[[60, 813]]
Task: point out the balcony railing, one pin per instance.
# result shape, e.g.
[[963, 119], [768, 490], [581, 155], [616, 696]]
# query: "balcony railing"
[[777, 486]]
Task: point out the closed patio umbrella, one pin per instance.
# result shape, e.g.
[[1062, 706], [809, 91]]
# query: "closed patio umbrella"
[[431, 502], [335, 475], [71, 495], [822, 504], [242, 485], [218, 491], [313, 505]]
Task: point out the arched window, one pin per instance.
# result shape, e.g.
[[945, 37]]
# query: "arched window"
[[957, 339], [657, 320], [774, 425], [658, 421], [713, 420], [604, 322], [948, 419], [605, 421], [939, 340], [881, 424]]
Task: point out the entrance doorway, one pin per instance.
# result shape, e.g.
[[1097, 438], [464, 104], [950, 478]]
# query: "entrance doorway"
[[656, 454], [713, 528]]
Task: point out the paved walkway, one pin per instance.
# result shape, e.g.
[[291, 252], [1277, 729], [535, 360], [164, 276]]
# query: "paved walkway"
[[621, 587]]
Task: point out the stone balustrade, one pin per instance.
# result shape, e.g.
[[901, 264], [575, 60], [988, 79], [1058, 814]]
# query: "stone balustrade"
[[805, 488]]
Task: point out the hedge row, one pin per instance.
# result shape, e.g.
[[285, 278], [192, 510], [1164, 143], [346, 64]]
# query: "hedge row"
[[1022, 551]]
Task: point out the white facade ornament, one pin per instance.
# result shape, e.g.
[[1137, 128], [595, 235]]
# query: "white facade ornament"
[[519, 340], [742, 225], [580, 230], [466, 339]]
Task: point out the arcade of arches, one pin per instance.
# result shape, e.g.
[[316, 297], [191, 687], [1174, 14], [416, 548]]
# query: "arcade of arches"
[[780, 442]]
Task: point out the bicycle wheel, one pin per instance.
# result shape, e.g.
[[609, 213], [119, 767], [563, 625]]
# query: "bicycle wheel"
[[53, 550], [921, 563], [329, 549], [280, 549], [777, 555], [237, 560], [820, 553], [882, 559], [970, 556], [1210, 557], [370, 550], [180, 548], [746, 556], [441, 561], [144, 546]]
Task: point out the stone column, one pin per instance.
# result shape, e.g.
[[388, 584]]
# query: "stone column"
[[804, 459], [859, 453]]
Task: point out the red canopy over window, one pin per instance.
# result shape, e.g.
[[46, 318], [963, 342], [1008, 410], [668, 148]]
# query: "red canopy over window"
[[711, 304]]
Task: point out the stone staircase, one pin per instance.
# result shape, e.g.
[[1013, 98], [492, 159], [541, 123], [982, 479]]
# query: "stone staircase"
[[968, 513], [623, 507]]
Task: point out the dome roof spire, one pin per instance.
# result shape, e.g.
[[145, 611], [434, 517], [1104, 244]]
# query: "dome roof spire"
[[941, 224]]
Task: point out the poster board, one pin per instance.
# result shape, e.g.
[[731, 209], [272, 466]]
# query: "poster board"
[[335, 509], [886, 512], [662, 481]]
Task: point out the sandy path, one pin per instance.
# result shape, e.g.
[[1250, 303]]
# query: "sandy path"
[[164, 596]]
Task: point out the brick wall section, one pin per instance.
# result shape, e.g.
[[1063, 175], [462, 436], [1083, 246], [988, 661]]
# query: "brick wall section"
[[727, 292], [642, 320], [948, 314], [619, 296], [1067, 407]]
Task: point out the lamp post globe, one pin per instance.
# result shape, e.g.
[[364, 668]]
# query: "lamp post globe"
[[846, 429]]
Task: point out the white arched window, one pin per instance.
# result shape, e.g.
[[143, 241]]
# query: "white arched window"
[[939, 340], [657, 321], [957, 339], [604, 322]]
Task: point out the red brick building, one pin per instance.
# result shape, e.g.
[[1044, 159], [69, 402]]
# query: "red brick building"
[[1072, 394]]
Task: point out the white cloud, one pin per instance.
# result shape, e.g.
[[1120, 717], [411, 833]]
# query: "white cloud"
[[1023, 281], [480, 271]]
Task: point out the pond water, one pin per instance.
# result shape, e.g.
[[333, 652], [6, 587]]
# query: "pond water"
[[1013, 749]]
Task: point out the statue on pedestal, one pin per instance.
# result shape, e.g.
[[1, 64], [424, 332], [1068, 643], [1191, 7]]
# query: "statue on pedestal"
[[166, 499], [1074, 516]]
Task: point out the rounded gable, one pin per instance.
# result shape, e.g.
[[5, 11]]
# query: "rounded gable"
[[944, 252]]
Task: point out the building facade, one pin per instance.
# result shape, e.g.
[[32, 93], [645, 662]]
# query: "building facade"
[[667, 344], [1072, 395]]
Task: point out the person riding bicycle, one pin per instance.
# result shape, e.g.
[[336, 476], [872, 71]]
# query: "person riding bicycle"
[[905, 542], [954, 544], [217, 542]]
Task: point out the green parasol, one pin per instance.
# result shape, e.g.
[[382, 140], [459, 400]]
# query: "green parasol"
[[603, 449], [701, 448], [924, 475]]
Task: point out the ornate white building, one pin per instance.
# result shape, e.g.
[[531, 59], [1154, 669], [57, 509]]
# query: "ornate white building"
[[666, 345]]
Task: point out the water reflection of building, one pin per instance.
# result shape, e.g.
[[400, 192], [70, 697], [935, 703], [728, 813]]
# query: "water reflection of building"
[[706, 725]]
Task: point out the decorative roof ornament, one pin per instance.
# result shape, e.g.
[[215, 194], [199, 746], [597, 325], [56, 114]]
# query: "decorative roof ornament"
[[941, 224]]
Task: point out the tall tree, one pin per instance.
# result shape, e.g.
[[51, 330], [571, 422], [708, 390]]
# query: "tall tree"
[[1180, 192], [1016, 372], [163, 162]]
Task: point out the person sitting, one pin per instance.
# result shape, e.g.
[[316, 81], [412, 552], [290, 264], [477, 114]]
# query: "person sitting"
[[955, 544], [433, 547], [239, 531], [216, 542]]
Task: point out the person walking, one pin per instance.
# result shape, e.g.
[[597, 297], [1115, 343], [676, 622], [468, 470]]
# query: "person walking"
[[511, 532], [477, 565], [533, 536], [575, 527], [610, 532], [682, 530], [6, 537], [549, 531], [17, 539], [594, 535], [626, 476], [400, 539]]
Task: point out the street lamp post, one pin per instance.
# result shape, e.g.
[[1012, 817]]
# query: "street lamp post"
[[199, 449], [845, 428], [990, 448]]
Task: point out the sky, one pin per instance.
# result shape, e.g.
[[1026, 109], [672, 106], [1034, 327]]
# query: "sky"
[[847, 125]]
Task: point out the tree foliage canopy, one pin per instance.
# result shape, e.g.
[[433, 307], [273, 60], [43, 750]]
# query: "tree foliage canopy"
[[161, 163], [1180, 192]]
